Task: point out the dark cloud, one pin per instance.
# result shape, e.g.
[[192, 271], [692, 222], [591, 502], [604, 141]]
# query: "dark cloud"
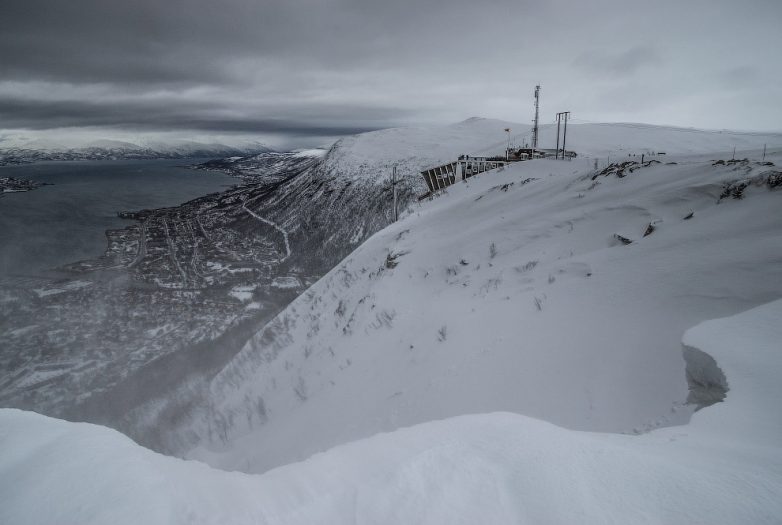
[[332, 66], [15, 113], [153, 41]]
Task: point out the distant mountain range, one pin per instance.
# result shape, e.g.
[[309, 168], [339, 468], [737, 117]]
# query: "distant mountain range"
[[23, 152]]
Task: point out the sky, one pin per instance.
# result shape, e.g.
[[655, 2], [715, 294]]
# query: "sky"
[[298, 73]]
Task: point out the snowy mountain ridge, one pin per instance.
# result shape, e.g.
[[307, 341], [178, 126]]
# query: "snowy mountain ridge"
[[516, 307], [20, 150], [330, 208], [232, 248], [581, 308], [461, 307], [326, 205]]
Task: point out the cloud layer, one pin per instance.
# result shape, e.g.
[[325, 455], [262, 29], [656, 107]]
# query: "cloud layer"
[[307, 70]]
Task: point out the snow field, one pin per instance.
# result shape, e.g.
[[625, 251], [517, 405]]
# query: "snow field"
[[558, 322], [489, 358], [723, 467]]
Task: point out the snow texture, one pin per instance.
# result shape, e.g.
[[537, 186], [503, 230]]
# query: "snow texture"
[[508, 293], [725, 466], [499, 355]]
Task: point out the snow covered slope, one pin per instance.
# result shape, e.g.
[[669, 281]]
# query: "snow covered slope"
[[546, 297], [725, 466], [619, 139], [413, 149], [513, 292], [291, 222], [311, 211]]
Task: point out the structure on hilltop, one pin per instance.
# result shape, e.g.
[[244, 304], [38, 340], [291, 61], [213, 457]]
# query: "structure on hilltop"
[[466, 166], [535, 122]]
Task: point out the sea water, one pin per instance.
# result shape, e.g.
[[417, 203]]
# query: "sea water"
[[66, 222]]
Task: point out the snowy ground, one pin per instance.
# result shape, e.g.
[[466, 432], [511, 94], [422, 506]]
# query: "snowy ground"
[[510, 337], [512, 292], [725, 466]]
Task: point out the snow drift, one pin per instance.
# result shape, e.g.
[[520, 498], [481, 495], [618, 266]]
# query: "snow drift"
[[723, 467]]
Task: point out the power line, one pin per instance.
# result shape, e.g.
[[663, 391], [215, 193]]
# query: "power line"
[[393, 188]]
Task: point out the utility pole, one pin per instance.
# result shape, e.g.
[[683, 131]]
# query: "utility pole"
[[566, 114], [764, 153], [734, 153], [507, 150], [393, 191], [535, 126]]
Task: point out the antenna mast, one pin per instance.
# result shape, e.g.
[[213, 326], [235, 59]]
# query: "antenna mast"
[[535, 127]]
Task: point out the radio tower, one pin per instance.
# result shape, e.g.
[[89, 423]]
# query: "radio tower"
[[535, 127]]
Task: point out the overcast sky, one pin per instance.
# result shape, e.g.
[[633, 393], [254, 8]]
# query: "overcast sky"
[[298, 72]]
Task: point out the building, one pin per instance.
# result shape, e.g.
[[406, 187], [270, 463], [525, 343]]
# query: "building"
[[465, 167]]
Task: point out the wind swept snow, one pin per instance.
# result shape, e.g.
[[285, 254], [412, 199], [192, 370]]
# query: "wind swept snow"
[[618, 139], [519, 348], [723, 467], [507, 293]]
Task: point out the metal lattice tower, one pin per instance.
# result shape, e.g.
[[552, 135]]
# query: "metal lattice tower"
[[535, 127]]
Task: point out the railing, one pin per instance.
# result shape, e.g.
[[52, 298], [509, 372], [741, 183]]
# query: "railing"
[[442, 176]]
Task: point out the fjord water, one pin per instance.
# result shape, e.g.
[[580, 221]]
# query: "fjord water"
[[66, 222]]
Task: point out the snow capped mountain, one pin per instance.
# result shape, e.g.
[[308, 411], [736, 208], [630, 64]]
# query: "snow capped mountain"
[[22, 149], [575, 296], [259, 245], [550, 291], [293, 219], [312, 215], [545, 289], [619, 139]]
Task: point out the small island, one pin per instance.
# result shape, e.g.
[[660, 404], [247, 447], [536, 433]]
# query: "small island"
[[12, 185]]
